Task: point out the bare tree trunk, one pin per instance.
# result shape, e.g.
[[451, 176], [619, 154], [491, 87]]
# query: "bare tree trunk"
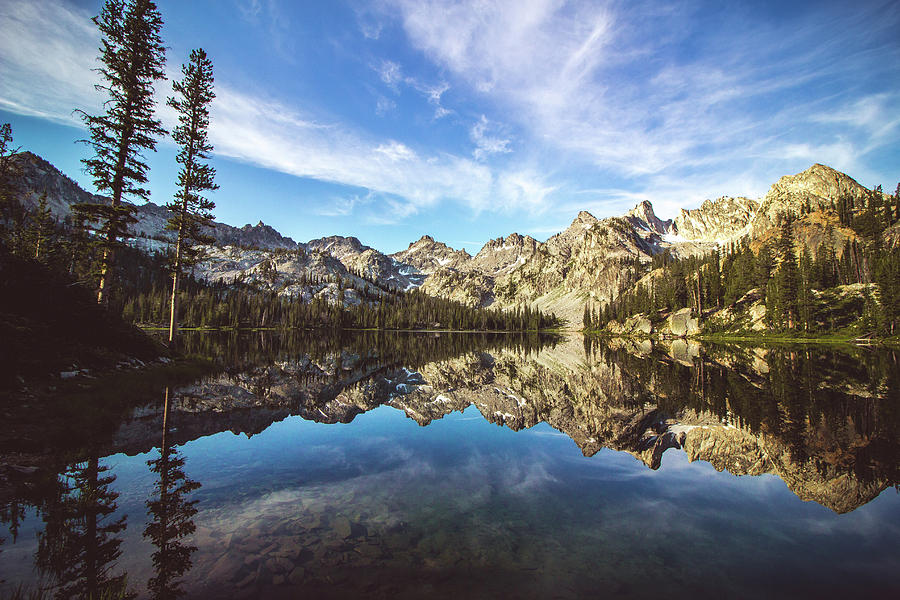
[[176, 271], [699, 298], [105, 262], [113, 234], [173, 325]]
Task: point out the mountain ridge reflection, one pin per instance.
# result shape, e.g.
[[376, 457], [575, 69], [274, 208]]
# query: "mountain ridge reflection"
[[819, 418]]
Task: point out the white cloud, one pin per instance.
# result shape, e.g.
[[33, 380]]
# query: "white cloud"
[[611, 84], [369, 21], [524, 189], [47, 51], [343, 206], [878, 114], [384, 106], [275, 136], [433, 94], [390, 73], [486, 144], [588, 91], [396, 152]]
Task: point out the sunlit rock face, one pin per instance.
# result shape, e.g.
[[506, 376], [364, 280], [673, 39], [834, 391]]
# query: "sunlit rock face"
[[643, 218], [815, 188], [502, 255], [428, 255], [810, 197], [717, 221]]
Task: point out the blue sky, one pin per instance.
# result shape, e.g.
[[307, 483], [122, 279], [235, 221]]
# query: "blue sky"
[[473, 119]]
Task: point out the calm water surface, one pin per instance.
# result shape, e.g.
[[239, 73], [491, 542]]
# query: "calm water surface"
[[411, 465]]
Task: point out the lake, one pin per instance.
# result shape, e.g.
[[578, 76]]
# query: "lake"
[[405, 465]]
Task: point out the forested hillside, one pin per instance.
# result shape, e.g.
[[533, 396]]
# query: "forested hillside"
[[793, 285]]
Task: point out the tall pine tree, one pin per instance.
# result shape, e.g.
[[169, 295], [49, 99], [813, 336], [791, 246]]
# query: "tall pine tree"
[[133, 58], [787, 277], [191, 211], [9, 172]]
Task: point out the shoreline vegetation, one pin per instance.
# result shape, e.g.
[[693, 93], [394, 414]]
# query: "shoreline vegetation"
[[755, 338]]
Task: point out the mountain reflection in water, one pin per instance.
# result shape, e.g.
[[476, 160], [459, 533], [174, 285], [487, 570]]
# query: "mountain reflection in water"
[[138, 488]]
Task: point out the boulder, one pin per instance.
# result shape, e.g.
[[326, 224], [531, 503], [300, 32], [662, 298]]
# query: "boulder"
[[681, 323], [638, 325]]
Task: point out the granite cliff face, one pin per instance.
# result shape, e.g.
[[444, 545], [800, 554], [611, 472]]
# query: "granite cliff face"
[[814, 190], [502, 255], [642, 218], [298, 273], [367, 262], [427, 256], [716, 221]]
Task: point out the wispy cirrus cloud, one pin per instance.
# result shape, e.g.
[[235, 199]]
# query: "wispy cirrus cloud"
[[268, 133], [260, 130], [47, 53], [553, 105], [485, 142], [640, 89], [391, 74]]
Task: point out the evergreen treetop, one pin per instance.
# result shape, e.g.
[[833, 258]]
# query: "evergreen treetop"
[[132, 57]]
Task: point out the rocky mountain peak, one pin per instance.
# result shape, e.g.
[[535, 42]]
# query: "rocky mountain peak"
[[817, 181], [513, 240], [585, 218], [337, 245], [427, 255], [255, 236], [814, 189], [39, 177], [643, 218], [502, 255]]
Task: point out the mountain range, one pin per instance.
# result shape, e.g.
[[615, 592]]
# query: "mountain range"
[[592, 259]]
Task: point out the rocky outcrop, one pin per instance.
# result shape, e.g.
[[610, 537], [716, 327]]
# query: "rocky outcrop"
[[251, 236], [681, 323], [635, 325], [40, 178], [642, 218], [816, 189], [502, 255], [715, 221], [591, 261], [427, 255], [468, 287], [300, 274], [367, 262]]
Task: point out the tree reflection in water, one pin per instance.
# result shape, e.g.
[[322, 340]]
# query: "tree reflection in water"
[[80, 544], [171, 517]]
